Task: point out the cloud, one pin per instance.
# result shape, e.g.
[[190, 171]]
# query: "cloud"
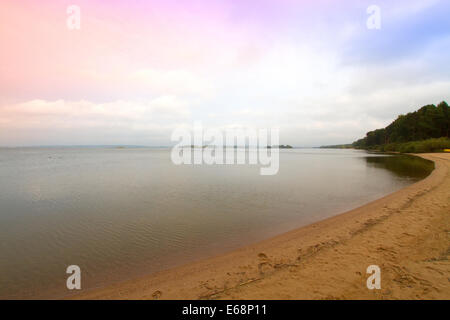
[[172, 81], [62, 120], [133, 75]]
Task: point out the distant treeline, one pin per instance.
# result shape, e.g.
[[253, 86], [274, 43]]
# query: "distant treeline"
[[338, 146], [424, 130]]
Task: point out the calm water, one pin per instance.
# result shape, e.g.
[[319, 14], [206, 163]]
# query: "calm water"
[[121, 213]]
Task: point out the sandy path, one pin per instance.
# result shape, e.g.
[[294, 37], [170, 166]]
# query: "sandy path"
[[407, 234]]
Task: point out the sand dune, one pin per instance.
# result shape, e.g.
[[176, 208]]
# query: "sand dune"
[[407, 234]]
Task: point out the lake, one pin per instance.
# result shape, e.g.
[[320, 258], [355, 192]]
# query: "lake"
[[119, 213]]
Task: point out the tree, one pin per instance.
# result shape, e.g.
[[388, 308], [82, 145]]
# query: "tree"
[[430, 121]]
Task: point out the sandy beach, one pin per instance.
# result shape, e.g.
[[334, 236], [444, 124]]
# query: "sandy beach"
[[407, 234]]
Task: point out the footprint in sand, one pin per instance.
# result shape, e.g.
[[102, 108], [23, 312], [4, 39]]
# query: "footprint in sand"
[[262, 256], [156, 295], [264, 266]]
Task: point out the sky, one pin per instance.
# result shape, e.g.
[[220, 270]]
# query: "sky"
[[136, 70]]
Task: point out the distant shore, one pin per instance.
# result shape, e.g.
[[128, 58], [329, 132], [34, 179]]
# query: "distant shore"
[[407, 234]]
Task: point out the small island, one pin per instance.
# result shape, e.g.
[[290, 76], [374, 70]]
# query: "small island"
[[281, 146]]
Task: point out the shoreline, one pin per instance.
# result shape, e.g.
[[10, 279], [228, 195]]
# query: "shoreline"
[[406, 233]]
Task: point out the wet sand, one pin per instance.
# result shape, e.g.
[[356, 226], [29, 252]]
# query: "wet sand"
[[407, 234]]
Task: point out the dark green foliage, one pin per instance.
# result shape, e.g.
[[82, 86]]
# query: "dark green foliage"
[[428, 122], [429, 145]]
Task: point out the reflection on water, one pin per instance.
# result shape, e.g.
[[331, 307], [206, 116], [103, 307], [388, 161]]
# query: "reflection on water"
[[118, 213], [402, 165]]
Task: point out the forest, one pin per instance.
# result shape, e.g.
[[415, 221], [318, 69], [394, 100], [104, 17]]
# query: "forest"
[[424, 130]]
